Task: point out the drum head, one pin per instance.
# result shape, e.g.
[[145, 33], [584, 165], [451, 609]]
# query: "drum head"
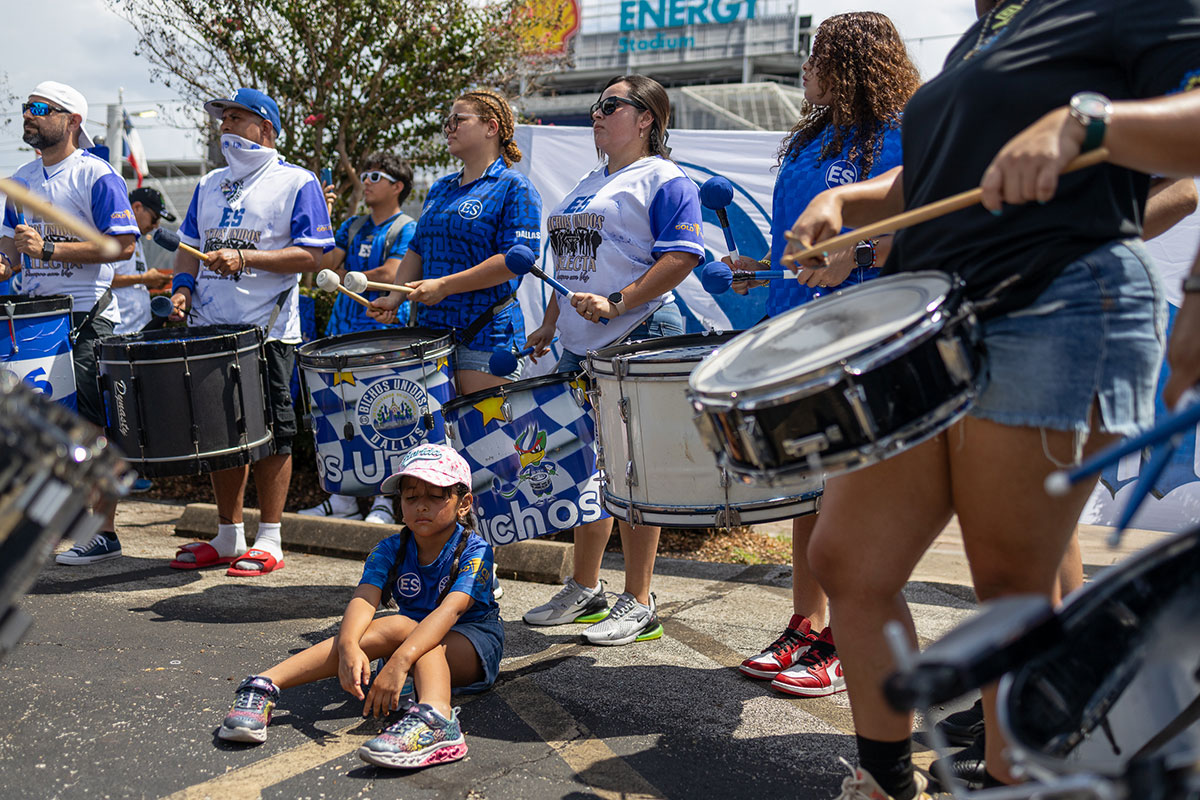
[[821, 333], [368, 348]]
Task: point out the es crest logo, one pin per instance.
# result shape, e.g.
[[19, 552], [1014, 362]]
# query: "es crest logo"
[[470, 208], [840, 173], [409, 584]]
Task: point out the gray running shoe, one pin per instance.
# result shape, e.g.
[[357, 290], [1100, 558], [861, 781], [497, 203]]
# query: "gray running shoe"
[[629, 621], [573, 603]]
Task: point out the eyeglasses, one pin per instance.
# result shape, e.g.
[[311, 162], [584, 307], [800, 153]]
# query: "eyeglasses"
[[450, 124], [609, 105], [40, 109], [374, 176]]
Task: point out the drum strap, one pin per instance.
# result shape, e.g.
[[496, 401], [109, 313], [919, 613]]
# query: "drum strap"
[[471, 331], [279, 301], [97, 309], [393, 233]]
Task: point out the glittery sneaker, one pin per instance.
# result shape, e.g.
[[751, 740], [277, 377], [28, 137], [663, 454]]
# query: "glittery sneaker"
[[573, 603], [420, 738], [100, 548], [859, 785], [783, 652], [628, 621], [247, 721]]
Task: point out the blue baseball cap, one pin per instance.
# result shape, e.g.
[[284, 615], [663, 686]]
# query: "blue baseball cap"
[[251, 100]]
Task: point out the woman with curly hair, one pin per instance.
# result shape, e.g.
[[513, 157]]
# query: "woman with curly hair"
[[856, 82]]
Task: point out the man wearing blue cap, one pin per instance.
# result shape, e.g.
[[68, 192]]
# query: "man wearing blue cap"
[[260, 221]]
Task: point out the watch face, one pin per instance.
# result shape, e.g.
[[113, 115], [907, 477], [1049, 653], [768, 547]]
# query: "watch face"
[[615, 297], [1091, 105]]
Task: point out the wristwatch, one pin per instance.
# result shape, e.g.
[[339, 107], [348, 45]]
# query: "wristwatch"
[[864, 254], [47, 249], [1092, 110], [618, 301]]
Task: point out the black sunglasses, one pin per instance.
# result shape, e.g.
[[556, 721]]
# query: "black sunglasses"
[[609, 105]]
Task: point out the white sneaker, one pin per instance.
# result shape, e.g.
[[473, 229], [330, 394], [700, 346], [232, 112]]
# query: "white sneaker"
[[573, 603], [859, 785], [381, 512], [628, 621], [337, 505], [497, 589]]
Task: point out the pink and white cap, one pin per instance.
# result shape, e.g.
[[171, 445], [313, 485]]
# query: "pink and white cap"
[[435, 463]]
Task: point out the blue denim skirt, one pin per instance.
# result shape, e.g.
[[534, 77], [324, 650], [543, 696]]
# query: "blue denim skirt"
[[1095, 335]]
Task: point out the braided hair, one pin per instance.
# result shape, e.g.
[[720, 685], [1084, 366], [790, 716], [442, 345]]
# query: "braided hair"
[[493, 105], [468, 523]]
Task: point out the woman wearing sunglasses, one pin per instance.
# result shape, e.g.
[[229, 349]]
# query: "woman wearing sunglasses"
[[455, 262], [623, 238]]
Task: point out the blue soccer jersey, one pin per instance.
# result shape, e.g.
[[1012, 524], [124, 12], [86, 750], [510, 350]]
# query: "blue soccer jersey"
[[462, 226], [418, 585], [803, 176], [366, 253]]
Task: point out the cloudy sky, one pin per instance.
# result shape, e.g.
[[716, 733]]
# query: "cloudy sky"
[[91, 48]]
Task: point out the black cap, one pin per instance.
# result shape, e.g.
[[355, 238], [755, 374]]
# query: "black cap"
[[151, 199]]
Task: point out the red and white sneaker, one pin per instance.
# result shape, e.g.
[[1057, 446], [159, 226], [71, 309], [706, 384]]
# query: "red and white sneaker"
[[817, 673], [783, 652]]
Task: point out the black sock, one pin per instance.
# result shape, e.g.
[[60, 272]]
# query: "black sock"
[[110, 535], [890, 764]]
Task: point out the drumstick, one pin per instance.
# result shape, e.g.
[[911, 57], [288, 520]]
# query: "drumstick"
[[169, 240], [109, 247], [918, 215], [357, 282], [328, 280]]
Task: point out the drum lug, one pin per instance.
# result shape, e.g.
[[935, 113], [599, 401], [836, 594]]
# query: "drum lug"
[[623, 405], [506, 411], [450, 433], [427, 420], [856, 396], [579, 396], [954, 356], [812, 444], [729, 518], [708, 431], [631, 478], [750, 432], [348, 431]]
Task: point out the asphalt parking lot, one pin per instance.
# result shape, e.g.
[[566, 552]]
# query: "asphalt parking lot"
[[117, 690]]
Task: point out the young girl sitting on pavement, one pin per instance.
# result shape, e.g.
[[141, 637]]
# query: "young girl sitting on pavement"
[[447, 632]]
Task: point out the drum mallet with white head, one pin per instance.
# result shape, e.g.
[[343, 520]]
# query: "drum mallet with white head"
[[716, 277], [504, 362], [519, 260], [717, 193], [357, 282], [329, 281], [169, 240]]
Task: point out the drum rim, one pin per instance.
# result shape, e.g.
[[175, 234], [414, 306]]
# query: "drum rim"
[[208, 340], [807, 381], [439, 341], [38, 305], [515, 387], [607, 355]]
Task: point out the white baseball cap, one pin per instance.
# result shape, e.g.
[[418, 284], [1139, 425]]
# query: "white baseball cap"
[[70, 99]]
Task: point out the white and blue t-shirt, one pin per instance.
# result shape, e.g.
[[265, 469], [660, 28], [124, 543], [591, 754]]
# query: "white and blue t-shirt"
[[802, 176], [87, 187], [418, 586], [133, 300], [609, 230], [277, 206]]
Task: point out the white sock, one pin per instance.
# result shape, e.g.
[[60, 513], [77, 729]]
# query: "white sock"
[[343, 503], [267, 540], [382, 501], [230, 540]]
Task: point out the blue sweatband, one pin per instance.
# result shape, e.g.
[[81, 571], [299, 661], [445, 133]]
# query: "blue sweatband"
[[183, 280]]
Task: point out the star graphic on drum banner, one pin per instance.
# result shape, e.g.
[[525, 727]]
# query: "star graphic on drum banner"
[[343, 377], [491, 408], [443, 363]]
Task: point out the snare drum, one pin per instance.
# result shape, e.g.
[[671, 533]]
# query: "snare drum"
[[186, 401], [370, 397], [531, 446], [842, 382], [657, 470], [35, 344]]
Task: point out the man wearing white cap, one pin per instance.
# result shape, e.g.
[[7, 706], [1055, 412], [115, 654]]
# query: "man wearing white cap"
[[53, 260], [259, 221]]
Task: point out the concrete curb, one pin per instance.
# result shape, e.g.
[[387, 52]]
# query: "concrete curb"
[[537, 560]]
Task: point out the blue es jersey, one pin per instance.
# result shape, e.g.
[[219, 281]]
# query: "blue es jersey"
[[802, 177], [417, 586], [462, 226], [365, 253]]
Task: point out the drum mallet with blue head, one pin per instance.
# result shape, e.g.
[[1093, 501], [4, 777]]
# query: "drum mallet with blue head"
[[357, 282], [504, 362], [717, 193], [716, 277], [169, 240], [160, 309], [520, 260], [329, 281]]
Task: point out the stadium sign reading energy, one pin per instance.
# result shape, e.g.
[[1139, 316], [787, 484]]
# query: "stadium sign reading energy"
[[642, 15]]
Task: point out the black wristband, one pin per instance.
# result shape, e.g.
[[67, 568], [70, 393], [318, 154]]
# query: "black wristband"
[[1191, 284]]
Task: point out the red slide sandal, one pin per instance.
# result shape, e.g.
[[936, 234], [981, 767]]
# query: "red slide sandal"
[[269, 564], [205, 554]]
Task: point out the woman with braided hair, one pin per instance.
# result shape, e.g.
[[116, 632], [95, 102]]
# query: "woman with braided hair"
[[455, 262]]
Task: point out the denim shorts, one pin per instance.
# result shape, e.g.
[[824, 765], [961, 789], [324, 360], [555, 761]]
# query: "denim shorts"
[[487, 637], [478, 360], [666, 321], [1096, 334]]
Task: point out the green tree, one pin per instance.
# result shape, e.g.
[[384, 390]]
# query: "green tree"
[[350, 76]]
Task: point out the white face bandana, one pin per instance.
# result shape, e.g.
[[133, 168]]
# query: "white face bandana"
[[244, 157]]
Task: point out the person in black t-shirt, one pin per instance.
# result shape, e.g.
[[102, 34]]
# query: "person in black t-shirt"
[[1072, 314]]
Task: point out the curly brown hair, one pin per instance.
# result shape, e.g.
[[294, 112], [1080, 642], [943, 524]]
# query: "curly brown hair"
[[869, 75]]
